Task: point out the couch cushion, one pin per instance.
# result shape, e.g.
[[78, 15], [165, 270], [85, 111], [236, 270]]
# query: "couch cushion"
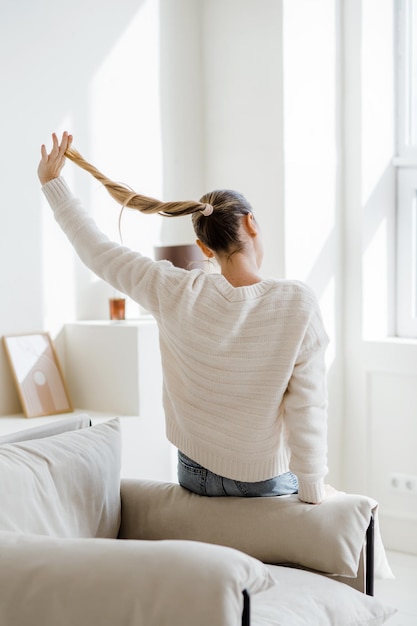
[[67, 485], [327, 537], [96, 582], [306, 598]]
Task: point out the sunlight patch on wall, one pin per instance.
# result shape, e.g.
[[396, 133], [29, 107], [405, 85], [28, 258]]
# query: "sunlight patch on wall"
[[117, 127], [119, 131], [309, 131], [125, 127], [310, 90]]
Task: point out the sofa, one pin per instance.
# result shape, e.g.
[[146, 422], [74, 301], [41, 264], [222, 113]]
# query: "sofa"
[[81, 547]]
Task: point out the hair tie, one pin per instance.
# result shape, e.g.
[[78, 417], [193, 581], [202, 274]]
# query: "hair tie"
[[208, 210]]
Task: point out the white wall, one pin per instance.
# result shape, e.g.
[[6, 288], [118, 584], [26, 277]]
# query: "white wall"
[[49, 51], [243, 111], [182, 110], [155, 129], [219, 122], [222, 121], [221, 87]]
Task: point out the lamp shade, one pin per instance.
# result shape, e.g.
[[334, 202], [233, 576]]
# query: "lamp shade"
[[188, 256]]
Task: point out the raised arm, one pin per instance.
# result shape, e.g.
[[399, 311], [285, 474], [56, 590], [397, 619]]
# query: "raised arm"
[[124, 269]]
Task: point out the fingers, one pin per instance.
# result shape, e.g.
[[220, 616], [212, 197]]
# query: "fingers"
[[55, 147], [64, 143], [58, 148]]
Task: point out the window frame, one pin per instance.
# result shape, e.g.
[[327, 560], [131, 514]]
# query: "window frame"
[[406, 168]]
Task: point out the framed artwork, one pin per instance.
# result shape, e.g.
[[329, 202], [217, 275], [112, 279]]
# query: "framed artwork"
[[37, 374]]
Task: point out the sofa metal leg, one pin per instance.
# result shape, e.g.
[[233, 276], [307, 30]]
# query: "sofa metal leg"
[[369, 559], [246, 609]]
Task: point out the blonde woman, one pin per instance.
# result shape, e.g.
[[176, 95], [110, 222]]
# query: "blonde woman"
[[244, 387]]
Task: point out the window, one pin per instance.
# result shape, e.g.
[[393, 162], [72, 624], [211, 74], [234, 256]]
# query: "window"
[[406, 163]]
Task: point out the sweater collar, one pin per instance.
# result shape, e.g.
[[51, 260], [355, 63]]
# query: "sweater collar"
[[236, 294]]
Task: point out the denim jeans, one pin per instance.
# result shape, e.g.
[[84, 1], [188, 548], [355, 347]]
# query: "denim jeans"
[[199, 480]]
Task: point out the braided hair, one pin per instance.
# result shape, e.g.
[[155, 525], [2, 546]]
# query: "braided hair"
[[216, 217]]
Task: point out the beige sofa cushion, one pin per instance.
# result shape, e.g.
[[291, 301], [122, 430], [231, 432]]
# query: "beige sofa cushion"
[[306, 598], [328, 537], [67, 485], [103, 582]]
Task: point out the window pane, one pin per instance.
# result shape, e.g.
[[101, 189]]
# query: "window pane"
[[407, 77], [411, 60]]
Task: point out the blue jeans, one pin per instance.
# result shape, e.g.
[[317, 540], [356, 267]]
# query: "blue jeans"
[[199, 480]]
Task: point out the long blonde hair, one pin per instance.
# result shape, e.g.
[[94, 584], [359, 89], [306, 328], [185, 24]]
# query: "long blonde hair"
[[218, 229], [128, 198]]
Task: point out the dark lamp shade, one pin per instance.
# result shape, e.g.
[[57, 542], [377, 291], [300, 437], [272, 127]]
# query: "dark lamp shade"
[[186, 256]]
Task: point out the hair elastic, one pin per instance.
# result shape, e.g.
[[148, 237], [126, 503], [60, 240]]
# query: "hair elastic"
[[208, 210]]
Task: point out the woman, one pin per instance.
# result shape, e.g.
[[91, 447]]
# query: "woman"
[[243, 357]]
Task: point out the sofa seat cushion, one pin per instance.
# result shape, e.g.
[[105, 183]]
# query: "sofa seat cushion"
[[67, 485], [105, 582], [307, 598]]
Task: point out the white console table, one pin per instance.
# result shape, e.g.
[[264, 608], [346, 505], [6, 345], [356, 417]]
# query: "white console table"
[[113, 369]]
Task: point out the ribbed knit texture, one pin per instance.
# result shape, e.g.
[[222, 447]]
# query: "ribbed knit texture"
[[244, 374]]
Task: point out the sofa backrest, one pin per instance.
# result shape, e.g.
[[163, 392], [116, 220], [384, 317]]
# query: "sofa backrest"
[[54, 427], [65, 485]]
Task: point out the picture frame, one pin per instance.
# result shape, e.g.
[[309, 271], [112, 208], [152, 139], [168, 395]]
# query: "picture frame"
[[37, 374]]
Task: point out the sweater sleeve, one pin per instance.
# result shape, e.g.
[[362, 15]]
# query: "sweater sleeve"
[[126, 270], [305, 405]]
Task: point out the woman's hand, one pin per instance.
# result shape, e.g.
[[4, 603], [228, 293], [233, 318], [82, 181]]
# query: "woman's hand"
[[329, 493], [51, 164]]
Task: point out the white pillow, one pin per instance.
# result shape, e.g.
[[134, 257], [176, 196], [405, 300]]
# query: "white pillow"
[[104, 582], [67, 485], [305, 598]]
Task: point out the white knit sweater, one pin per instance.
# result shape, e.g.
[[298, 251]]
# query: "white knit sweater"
[[244, 377]]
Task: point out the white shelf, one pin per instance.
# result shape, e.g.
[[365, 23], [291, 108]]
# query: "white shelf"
[[113, 369], [14, 423]]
